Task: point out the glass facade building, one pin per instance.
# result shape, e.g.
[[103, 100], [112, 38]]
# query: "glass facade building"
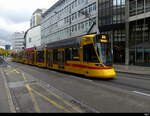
[[112, 22], [130, 44], [139, 32]]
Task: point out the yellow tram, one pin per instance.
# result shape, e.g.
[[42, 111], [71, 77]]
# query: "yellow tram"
[[88, 55]]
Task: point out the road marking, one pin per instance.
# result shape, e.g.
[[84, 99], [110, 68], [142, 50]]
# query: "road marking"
[[51, 101], [11, 71], [43, 96], [10, 101], [70, 97], [36, 107], [61, 99], [22, 74], [141, 93], [16, 71]]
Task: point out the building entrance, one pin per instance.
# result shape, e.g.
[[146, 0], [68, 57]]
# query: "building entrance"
[[119, 53], [117, 38], [119, 46]]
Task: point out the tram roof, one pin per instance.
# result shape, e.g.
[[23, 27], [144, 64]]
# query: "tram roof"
[[74, 42]]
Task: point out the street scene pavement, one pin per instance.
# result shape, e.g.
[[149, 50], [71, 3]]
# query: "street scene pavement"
[[31, 95], [31, 89], [75, 56]]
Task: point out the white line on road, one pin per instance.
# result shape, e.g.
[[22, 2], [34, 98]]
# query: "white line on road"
[[141, 93]]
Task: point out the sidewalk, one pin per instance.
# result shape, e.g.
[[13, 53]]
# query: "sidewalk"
[[132, 69], [4, 104]]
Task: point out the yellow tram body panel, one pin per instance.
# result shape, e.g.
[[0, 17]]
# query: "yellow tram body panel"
[[73, 66], [30, 63], [90, 70], [78, 64], [25, 61], [41, 64], [55, 66], [101, 73]]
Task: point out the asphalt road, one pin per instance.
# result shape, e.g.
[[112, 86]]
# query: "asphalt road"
[[126, 93]]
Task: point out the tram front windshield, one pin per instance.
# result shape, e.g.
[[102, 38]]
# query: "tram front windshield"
[[104, 52]]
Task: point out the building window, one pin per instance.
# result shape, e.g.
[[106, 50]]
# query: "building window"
[[139, 42], [147, 7], [30, 40]]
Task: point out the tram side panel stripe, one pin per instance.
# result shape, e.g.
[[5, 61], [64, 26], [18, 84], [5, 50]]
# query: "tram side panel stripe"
[[89, 67]]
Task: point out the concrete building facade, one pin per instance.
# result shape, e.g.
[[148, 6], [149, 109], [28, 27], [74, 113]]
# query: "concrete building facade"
[[33, 37], [18, 41], [33, 34], [66, 19], [36, 17]]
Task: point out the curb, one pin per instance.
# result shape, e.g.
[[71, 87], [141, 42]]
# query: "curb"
[[10, 101], [132, 73]]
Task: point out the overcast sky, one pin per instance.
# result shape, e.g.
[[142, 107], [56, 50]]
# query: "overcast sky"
[[15, 15]]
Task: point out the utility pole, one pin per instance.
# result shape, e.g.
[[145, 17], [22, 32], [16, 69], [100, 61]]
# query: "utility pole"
[[98, 13], [127, 31]]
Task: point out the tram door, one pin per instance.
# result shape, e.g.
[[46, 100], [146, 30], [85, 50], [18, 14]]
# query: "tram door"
[[50, 58], [61, 59], [119, 53]]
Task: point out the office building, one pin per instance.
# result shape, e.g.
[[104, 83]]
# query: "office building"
[[67, 19], [7, 47], [33, 34], [36, 17], [139, 32], [18, 41]]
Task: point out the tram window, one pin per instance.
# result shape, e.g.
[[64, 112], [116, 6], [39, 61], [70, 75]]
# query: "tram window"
[[89, 54], [31, 57], [68, 54], [28, 56], [72, 54], [55, 56], [40, 56], [75, 54], [47, 56]]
